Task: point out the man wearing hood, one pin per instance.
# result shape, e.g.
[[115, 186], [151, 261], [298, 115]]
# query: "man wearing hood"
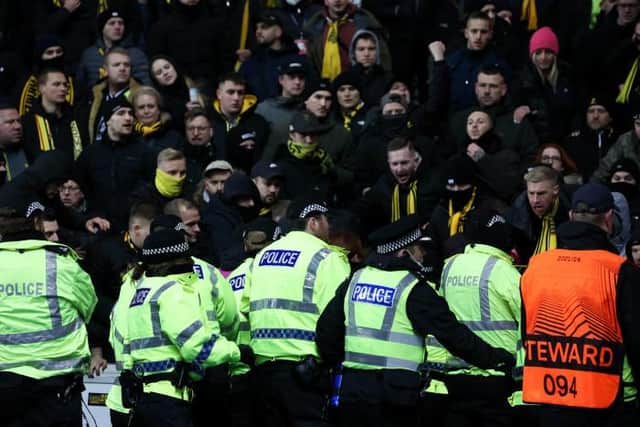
[[234, 108], [332, 30], [224, 216], [624, 178], [274, 51], [112, 32], [364, 53], [352, 108], [279, 110]]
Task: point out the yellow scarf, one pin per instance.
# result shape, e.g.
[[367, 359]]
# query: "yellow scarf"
[[147, 130], [456, 219], [412, 201], [348, 117], [623, 96], [331, 64], [301, 150], [548, 239], [45, 137], [530, 14], [244, 31], [167, 185]]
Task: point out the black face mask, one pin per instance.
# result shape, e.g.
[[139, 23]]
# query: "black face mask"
[[3, 177], [629, 191], [459, 198], [394, 124], [248, 214]]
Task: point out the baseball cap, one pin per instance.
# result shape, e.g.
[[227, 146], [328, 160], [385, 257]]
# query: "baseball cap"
[[293, 68], [266, 170], [308, 124], [269, 18], [592, 198]]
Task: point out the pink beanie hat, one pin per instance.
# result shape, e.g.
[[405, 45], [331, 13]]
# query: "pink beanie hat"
[[544, 38]]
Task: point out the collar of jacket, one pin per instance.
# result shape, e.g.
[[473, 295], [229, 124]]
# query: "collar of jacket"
[[583, 236]]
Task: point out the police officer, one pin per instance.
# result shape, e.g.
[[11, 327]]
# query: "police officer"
[[580, 331], [293, 280], [170, 340], [257, 234], [377, 324], [482, 288], [46, 299]]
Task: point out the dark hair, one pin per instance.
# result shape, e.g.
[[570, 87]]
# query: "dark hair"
[[12, 223], [476, 14], [43, 76], [398, 143], [232, 77], [196, 112], [366, 36], [491, 70], [179, 265]]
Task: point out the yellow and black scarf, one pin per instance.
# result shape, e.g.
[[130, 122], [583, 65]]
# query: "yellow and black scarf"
[[530, 14], [45, 137], [456, 219], [548, 239], [147, 130], [623, 95], [347, 118], [331, 63], [412, 201]]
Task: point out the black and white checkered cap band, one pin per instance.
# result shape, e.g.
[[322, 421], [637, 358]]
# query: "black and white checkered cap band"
[[313, 208], [33, 207], [400, 242], [181, 248], [180, 227]]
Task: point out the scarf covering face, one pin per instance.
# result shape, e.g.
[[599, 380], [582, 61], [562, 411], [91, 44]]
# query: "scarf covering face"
[[548, 239], [300, 150], [456, 218], [412, 201], [331, 64], [167, 185]]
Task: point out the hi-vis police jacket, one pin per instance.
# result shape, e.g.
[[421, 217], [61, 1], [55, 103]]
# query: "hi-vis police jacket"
[[482, 288], [293, 280], [166, 324], [45, 301]]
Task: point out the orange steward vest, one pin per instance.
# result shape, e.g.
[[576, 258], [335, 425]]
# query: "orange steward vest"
[[573, 342]]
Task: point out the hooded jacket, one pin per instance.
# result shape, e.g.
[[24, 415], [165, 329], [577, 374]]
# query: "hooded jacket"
[[627, 146], [375, 80], [278, 112], [358, 19], [224, 218], [247, 121]]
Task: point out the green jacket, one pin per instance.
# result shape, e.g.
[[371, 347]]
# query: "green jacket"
[[46, 299]]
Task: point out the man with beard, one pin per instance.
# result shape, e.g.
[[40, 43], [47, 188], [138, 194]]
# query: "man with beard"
[[592, 141], [268, 178], [12, 155], [274, 51], [408, 188], [537, 212], [224, 217]]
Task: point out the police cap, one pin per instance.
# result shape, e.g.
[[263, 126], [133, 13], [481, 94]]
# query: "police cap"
[[397, 235], [164, 245]]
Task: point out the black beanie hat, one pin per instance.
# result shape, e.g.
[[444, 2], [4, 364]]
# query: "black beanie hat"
[[488, 227], [106, 15], [347, 78], [164, 245], [114, 105], [459, 170]]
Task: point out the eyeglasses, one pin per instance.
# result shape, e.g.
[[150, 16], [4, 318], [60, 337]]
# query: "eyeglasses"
[[68, 188], [551, 158], [197, 128]]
